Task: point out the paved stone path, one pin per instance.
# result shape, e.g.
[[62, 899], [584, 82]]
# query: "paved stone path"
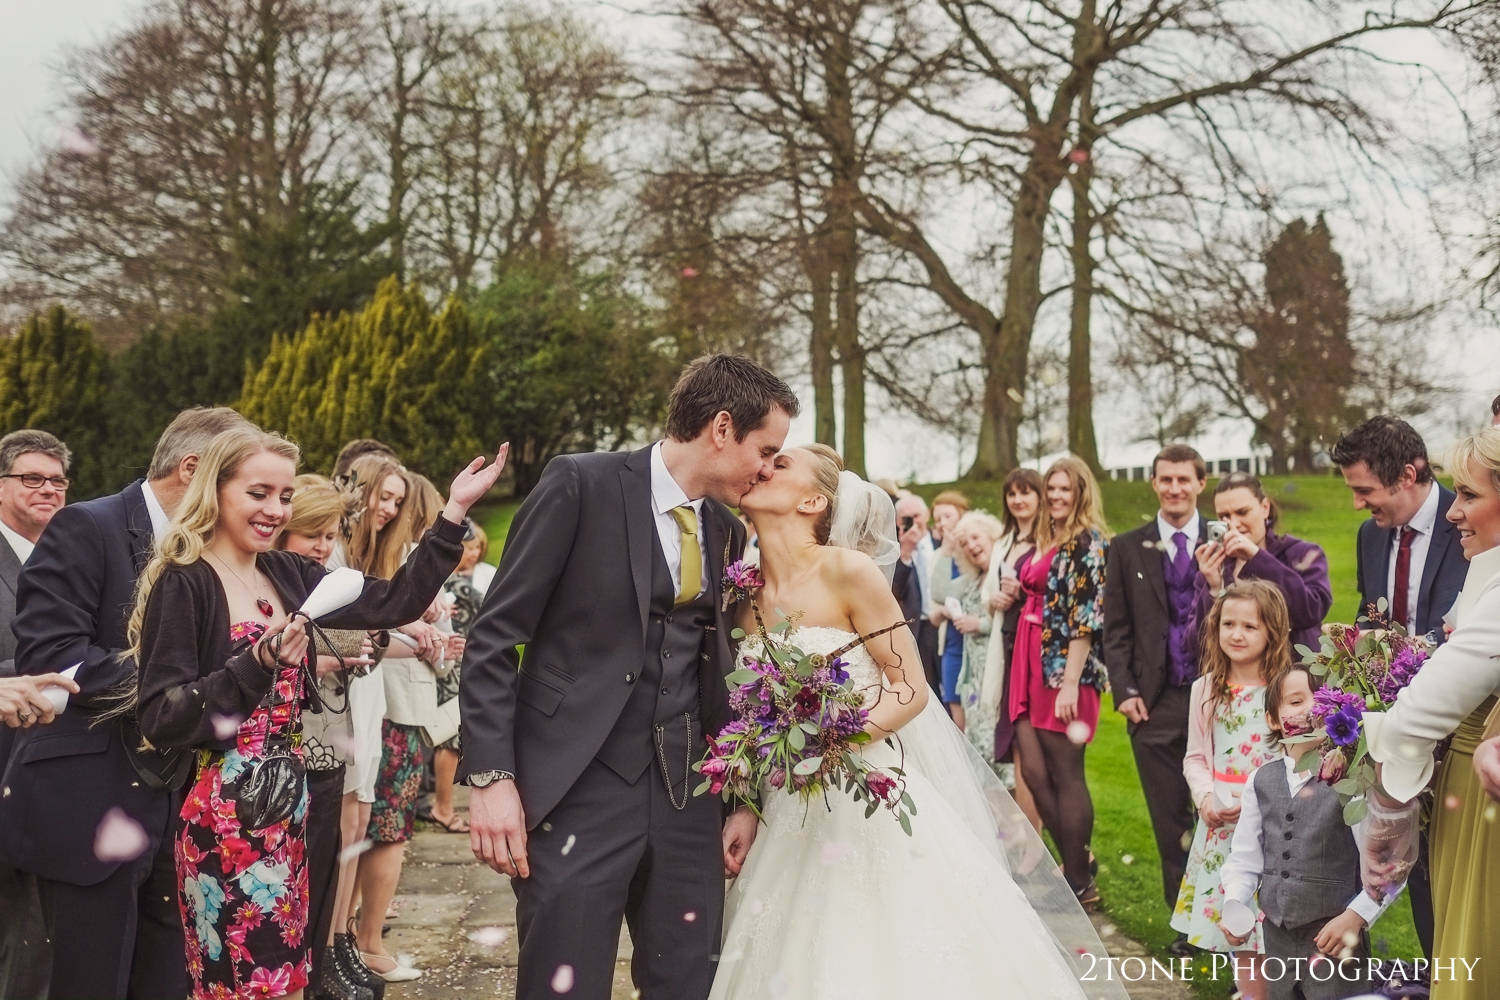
[[457, 920]]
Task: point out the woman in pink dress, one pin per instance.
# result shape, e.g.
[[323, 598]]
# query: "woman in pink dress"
[[1058, 674]]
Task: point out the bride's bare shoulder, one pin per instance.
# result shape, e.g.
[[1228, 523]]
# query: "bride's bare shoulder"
[[851, 571]]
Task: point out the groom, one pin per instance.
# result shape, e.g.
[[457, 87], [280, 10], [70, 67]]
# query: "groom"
[[580, 756]]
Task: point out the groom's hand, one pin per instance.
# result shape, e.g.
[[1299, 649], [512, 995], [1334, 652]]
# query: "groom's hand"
[[497, 828], [739, 834]]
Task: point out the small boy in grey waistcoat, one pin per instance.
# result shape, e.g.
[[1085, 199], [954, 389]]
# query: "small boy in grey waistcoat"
[[1293, 846]]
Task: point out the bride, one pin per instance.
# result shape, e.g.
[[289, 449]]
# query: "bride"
[[830, 904]]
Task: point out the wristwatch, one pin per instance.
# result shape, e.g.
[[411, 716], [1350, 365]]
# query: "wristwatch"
[[480, 779]]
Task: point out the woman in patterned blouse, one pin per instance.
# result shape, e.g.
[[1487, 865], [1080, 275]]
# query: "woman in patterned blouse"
[[1058, 675]]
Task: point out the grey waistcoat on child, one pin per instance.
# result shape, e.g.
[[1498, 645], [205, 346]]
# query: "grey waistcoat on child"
[[1311, 860]]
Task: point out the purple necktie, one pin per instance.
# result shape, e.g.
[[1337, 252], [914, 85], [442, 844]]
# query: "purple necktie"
[[1180, 560]]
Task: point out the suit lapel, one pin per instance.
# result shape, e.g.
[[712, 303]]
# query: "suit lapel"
[[10, 566], [1151, 556], [640, 527], [1437, 550]]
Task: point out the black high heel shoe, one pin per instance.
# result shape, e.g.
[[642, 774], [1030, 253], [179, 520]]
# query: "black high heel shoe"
[[353, 966], [334, 983]]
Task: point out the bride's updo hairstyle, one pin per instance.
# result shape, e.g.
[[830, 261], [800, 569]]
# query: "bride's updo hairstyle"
[[1481, 449], [826, 466]]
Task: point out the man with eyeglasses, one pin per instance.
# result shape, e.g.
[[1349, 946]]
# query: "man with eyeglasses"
[[33, 487]]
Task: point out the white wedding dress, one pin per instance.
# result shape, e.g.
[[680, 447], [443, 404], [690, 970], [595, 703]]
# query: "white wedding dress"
[[833, 905]]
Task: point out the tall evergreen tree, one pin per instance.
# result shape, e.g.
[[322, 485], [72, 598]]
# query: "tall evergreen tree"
[[1301, 364], [54, 376]]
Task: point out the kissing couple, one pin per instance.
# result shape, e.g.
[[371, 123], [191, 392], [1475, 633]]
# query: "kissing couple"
[[580, 753]]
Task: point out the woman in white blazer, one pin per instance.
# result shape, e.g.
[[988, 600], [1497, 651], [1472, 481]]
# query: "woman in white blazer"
[[1455, 695]]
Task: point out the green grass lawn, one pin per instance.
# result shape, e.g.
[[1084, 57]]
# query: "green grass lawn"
[[1316, 508]]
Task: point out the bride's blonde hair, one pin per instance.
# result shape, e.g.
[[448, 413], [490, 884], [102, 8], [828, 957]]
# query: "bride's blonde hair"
[[1482, 449], [826, 465]]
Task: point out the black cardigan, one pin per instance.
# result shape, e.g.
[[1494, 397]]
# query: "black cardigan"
[[186, 669]]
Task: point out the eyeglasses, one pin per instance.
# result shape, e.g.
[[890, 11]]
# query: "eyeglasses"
[[34, 480]]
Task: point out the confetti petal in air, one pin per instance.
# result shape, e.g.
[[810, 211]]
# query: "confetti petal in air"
[[834, 851], [690, 916], [562, 979], [569, 845], [353, 851], [226, 726], [1452, 802], [76, 142], [1127, 859], [690, 272], [119, 838], [1078, 732]]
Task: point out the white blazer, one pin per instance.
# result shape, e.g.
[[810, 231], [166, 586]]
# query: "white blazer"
[[1463, 672]]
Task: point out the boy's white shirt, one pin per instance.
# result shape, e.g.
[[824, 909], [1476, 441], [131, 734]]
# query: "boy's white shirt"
[[1240, 875]]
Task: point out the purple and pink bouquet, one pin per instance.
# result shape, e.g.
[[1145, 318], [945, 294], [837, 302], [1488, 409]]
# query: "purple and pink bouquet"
[[801, 722], [1362, 672]]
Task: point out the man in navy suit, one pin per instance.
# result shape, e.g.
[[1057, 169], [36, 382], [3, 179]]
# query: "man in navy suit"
[[114, 924], [1409, 556]]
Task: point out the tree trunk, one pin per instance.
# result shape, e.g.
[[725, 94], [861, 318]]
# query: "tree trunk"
[[1081, 440], [1006, 349], [820, 276], [851, 355]]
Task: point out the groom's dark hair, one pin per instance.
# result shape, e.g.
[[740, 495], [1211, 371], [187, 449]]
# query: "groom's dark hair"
[[725, 382], [1387, 445]]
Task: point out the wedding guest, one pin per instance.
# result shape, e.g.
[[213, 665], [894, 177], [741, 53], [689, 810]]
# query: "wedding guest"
[[214, 641], [1253, 551], [113, 923], [920, 559], [947, 507], [1317, 914], [1058, 675], [1244, 646], [1022, 492], [904, 585], [409, 676], [33, 487], [464, 593], [1408, 555], [1453, 699], [358, 448], [319, 510], [1148, 619], [976, 534]]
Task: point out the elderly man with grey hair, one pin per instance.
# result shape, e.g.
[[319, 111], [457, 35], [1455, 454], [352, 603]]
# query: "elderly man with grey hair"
[[90, 813], [917, 552]]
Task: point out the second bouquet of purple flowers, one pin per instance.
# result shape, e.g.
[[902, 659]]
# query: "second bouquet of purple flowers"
[[1361, 672], [801, 721]]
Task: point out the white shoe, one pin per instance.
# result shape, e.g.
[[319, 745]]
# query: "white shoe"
[[397, 973]]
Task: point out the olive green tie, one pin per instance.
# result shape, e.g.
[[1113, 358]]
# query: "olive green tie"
[[692, 555]]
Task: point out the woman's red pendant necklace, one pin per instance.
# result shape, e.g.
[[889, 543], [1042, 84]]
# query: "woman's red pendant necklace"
[[265, 607]]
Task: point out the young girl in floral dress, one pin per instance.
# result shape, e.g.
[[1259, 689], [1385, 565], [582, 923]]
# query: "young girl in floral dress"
[[222, 671], [1245, 643]]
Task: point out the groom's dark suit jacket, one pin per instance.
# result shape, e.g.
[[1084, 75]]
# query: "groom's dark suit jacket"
[[1443, 573], [574, 587]]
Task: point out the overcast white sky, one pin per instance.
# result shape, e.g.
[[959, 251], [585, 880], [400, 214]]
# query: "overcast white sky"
[[34, 38]]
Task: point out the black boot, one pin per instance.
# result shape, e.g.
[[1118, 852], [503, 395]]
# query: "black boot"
[[335, 984], [346, 952]]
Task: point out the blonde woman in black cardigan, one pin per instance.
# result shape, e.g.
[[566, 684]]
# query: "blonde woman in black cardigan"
[[221, 673]]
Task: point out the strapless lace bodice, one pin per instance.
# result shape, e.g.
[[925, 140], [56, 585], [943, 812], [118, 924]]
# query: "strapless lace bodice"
[[823, 639]]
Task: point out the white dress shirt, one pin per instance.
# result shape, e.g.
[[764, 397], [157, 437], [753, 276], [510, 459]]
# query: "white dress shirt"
[[665, 496], [1192, 530], [19, 543], [1423, 522], [921, 560], [1240, 875], [159, 518]]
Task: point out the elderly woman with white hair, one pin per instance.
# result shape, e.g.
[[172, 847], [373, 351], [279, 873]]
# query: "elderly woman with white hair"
[[981, 677]]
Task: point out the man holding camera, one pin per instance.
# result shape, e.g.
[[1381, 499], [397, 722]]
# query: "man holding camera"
[[1148, 613]]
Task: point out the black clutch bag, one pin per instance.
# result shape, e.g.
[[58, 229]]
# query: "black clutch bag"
[[268, 790]]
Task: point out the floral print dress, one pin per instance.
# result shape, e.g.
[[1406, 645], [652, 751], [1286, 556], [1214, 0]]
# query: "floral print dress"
[[244, 893], [1241, 744]]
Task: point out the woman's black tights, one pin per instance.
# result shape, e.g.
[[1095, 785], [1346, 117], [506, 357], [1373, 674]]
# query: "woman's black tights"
[[1053, 767]]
